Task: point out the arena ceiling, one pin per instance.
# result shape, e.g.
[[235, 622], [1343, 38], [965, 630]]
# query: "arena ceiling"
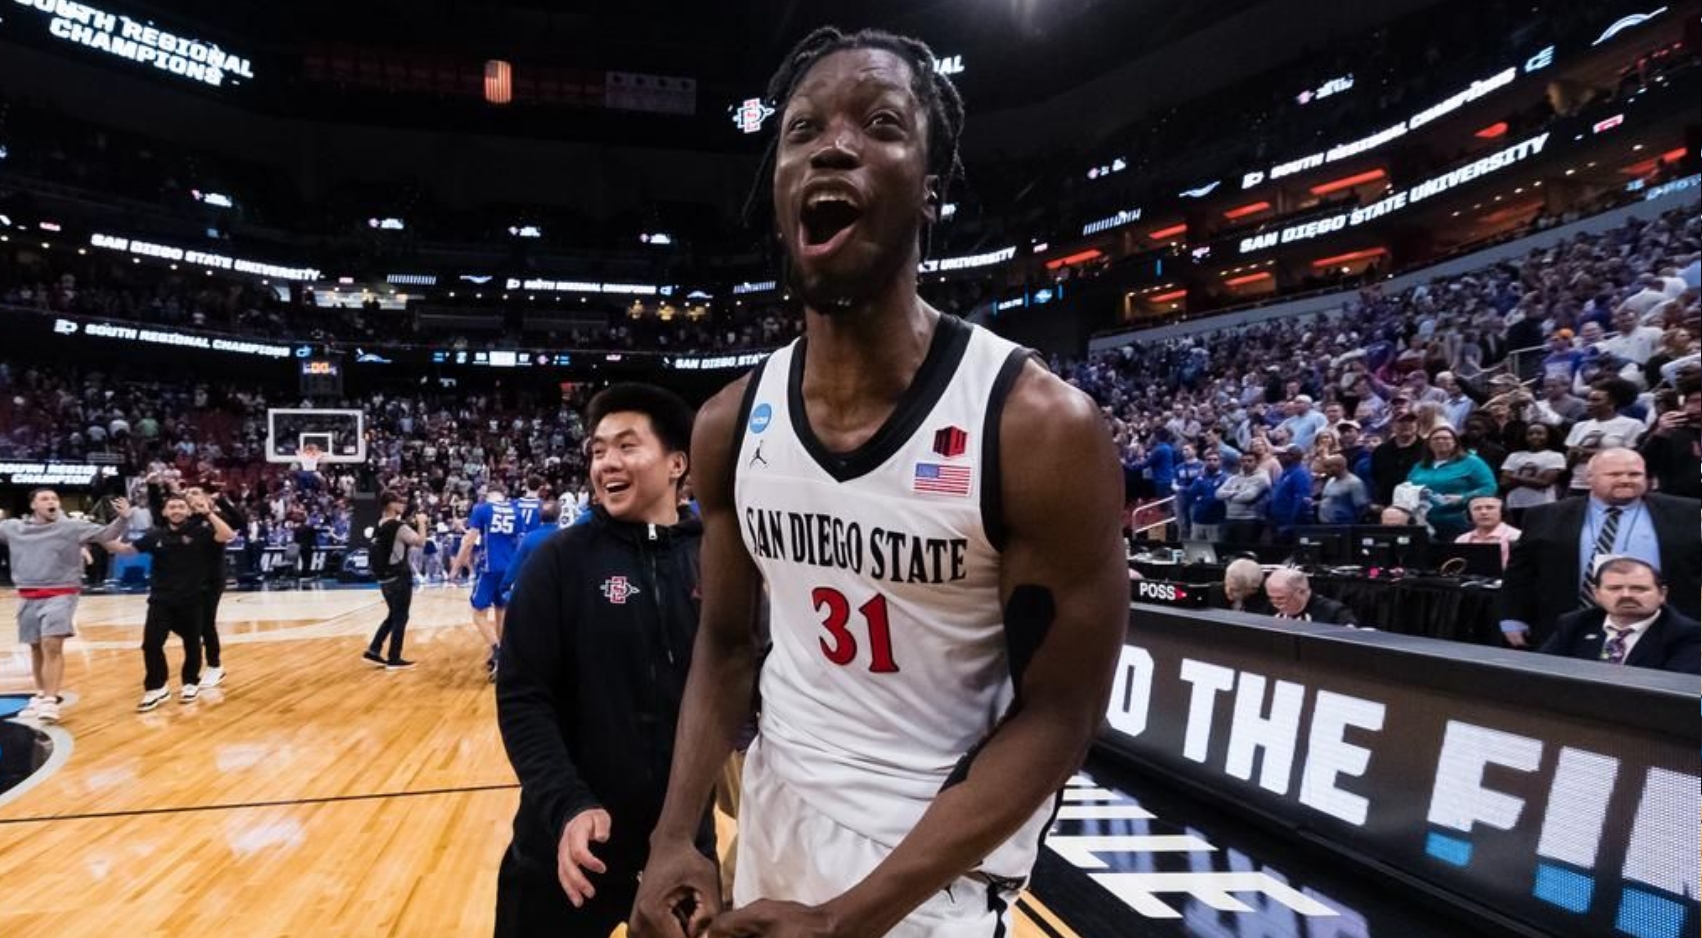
[[1019, 50]]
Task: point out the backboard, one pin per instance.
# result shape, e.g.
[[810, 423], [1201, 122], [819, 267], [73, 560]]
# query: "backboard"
[[337, 435]]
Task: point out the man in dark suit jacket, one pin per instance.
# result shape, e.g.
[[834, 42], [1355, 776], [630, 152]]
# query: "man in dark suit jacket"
[[1545, 576], [1291, 597], [1631, 624]]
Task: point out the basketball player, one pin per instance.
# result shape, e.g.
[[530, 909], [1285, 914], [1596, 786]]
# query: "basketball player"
[[529, 508], [936, 518], [548, 524], [47, 566], [493, 526]]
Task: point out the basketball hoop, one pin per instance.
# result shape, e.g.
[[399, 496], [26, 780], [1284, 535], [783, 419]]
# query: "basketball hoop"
[[310, 456]]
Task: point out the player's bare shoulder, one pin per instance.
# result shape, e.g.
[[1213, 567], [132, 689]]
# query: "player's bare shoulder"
[[1055, 453], [1045, 409]]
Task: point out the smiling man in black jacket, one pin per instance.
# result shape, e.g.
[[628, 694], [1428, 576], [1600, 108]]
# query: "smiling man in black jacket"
[[594, 662]]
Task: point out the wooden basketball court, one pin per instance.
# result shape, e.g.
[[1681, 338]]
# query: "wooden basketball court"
[[312, 794]]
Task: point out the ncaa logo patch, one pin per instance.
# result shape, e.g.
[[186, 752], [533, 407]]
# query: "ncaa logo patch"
[[761, 416], [617, 588]]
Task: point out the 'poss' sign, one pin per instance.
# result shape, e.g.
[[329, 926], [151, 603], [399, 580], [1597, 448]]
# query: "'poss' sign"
[[1172, 594]]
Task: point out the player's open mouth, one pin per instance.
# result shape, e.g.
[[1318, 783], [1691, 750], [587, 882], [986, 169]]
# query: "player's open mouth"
[[826, 221], [615, 488]]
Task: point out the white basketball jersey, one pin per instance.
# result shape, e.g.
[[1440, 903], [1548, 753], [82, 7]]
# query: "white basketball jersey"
[[889, 661]]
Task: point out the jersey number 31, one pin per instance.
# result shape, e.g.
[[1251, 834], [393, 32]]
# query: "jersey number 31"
[[843, 648]]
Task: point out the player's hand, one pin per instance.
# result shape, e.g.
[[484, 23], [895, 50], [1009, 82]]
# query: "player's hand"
[[767, 918], [678, 895], [1519, 639], [574, 854], [122, 506]]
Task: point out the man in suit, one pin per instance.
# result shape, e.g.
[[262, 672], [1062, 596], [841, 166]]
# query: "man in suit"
[[1290, 594], [1631, 623], [1622, 518]]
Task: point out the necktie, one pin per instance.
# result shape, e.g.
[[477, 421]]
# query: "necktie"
[[1604, 545], [1614, 651]]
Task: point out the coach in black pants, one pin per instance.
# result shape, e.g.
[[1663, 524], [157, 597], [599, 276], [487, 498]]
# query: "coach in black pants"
[[175, 593], [594, 660]]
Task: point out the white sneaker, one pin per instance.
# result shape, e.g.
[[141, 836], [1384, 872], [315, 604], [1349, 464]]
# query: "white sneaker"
[[188, 693], [31, 709], [47, 711], [152, 699], [212, 677]]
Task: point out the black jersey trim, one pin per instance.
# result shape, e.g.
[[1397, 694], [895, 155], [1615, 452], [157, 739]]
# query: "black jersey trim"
[[992, 496], [945, 353], [747, 403]]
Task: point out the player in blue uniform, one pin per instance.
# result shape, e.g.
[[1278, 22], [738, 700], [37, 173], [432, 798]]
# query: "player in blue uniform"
[[529, 508], [548, 516], [493, 527]]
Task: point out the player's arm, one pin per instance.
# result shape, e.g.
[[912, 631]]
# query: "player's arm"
[[512, 574], [1064, 584], [464, 556], [718, 689]]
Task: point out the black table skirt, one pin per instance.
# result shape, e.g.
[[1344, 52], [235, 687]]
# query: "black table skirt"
[[1435, 607]]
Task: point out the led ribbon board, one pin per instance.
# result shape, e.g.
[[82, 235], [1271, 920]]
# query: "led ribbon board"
[[1398, 201], [139, 248]]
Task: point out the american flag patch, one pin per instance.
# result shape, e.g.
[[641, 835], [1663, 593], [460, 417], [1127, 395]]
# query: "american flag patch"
[[941, 480]]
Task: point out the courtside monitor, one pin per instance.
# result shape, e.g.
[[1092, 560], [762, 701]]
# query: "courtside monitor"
[[1321, 544], [1390, 546]]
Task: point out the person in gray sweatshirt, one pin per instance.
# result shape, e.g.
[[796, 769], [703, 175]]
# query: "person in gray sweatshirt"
[[1246, 497], [47, 568]]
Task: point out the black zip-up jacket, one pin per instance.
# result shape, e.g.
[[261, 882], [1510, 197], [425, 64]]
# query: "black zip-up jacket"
[[180, 560], [594, 659], [225, 508]]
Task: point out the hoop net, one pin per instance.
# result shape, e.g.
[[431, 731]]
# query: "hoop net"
[[310, 456]]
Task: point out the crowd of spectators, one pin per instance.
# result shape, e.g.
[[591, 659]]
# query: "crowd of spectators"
[[1501, 382], [444, 450]]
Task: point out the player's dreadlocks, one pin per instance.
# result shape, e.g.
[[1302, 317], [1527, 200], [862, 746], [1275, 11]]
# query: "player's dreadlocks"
[[936, 92]]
